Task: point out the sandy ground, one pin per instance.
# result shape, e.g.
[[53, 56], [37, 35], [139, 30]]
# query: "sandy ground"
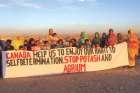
[[119, 80]]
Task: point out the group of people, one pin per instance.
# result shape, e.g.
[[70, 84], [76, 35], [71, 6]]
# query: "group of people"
[[53, 40]]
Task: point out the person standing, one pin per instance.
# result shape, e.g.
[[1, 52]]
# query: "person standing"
[[82, 39], [37, 46], [60, 44], [54, 41], [119, 38], [9, 45], [96, 40], [104, 40], [18, 41], [45, 45], [50, 35], [132, 47], [87, 43], [112, 40], [2, 44]]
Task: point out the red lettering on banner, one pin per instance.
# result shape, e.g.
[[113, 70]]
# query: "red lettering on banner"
[[81, 59], [18, 55], [71, 59], [70, 68]]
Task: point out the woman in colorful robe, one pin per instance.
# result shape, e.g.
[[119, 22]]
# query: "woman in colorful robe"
[[112, 40], [96, 41], [104, 40], [132, 47]]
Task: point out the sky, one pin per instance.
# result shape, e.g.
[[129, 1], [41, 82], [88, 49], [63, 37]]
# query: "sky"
[[70, 15]]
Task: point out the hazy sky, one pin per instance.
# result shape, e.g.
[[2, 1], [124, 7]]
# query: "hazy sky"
[[69, 13]]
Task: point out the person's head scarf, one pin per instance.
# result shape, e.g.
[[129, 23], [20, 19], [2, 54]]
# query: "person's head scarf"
[[111, 38], [96, 40], [104, 35], [119, 37], [97, 35], [111, 32], [131, 34]]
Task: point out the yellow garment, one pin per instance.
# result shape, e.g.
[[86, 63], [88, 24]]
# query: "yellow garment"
[[17, 43], [49, 38], [132, 47], [132, 63]]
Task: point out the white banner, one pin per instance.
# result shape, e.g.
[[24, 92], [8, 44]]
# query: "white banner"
[[64, 60]]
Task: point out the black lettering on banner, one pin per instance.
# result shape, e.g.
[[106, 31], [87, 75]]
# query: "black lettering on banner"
[[39, 53], [40, 61], [61, 52], [19, 62], [88, 51], [56, 60], [112, 49], [79, 51], [106, 57], [69, 51], [52, 53]]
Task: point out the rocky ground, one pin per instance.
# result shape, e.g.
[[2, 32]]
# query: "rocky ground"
[[119, 80]]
